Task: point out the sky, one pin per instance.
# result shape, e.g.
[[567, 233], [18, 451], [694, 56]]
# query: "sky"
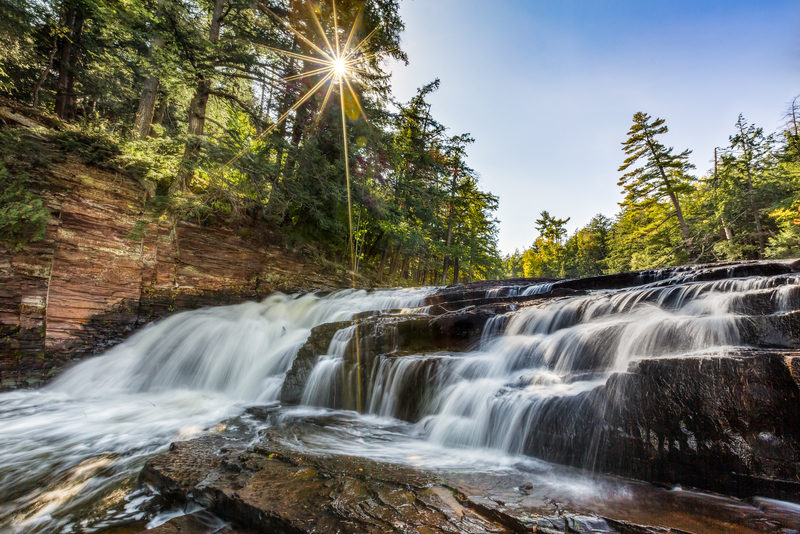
[[548, 88]]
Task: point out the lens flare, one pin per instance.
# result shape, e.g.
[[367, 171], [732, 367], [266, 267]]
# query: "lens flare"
[[340, 67], [338, 64]]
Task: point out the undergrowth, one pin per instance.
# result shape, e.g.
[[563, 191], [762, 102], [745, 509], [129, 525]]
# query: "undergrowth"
[[23, 214]]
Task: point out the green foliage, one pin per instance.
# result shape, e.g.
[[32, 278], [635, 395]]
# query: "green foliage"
[[154, 159], [786, 244], [23, 215], [90, 147], [513, 266], [587, 249], [414, 198], [753, 194]]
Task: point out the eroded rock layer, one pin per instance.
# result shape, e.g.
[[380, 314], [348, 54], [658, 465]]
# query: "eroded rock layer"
[[105, 268]]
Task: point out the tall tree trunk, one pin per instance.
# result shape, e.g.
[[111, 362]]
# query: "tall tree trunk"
[[197, 110], [158, 115], [300, 115], [147, 103], [404, 268], [65, 104], [684, 227], [283, 106], [147, 107], [45, 72], [455, 271], [687, 237], [382, 264], [795, 120], [393, 270]]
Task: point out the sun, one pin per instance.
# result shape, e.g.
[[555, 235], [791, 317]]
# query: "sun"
[[338, 65]]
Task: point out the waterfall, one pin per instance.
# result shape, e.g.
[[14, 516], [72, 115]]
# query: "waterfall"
[[538, 289], [324, 381], [69, 447], [73, 448], [494, 396]]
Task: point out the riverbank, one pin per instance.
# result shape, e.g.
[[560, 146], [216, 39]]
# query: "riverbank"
[[612, 404]]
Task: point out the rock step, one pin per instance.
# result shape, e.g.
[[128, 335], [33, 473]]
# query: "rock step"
[[272, 488]]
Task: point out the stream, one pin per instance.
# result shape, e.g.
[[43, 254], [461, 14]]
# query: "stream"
[[72, 451]]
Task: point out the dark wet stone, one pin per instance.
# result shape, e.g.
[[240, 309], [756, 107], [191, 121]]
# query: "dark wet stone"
[[724, 422], [776, 330], [276, 489], [196, 523], [316, 345]]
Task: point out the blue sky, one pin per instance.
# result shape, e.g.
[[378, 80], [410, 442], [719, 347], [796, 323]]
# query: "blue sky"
[[548, 88]]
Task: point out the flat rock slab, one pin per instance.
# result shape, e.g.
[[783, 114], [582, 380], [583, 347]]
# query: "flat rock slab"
[[197, 523], [272, 487], [276, 489]]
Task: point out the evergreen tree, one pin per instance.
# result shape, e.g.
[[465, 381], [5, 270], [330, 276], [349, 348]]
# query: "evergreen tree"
[[753, 150], [551, 228], [663, 174]]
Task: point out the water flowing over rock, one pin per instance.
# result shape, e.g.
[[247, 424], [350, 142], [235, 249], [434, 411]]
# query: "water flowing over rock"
[[651, 382], [105, 268], [489, 407]]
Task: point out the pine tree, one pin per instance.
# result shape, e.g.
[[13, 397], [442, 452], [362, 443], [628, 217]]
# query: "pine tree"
[[753, 147], [663, 173], [551, 228]]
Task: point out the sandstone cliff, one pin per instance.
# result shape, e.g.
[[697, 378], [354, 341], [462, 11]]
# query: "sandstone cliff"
[[99, 274]]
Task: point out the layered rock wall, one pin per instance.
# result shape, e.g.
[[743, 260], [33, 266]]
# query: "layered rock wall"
[[104, 267]]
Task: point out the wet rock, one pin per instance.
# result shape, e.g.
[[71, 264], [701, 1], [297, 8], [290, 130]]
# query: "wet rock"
[[775, 330], [277, 485], [188, 463], [277, 489], [478, 290], [316, 345], [723, 422], [196, 523], [389, 335]]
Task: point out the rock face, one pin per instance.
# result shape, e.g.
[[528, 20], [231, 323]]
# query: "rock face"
[[103, 269], [725, 423], [392, 335], [728, 423], [317, 344]]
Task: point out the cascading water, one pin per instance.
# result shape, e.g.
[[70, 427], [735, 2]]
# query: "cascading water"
[[323, 387], [494, 396], [70, 450]]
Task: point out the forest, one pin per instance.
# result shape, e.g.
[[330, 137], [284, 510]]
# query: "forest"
[[744, 208], [219, 108]]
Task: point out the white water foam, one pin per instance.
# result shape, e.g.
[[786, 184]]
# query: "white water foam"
[[492, 397], [82, 439]]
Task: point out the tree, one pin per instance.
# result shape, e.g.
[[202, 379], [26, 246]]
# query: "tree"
[[753, 147], [586, 250], [663, 173], [546, 256], [513, 265], [551, 228]]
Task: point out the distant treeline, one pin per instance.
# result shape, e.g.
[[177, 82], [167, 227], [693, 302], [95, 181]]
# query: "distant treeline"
[[745, 207], [172, 90]]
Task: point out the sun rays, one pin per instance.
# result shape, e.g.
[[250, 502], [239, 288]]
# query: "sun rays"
[[338, 64]]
